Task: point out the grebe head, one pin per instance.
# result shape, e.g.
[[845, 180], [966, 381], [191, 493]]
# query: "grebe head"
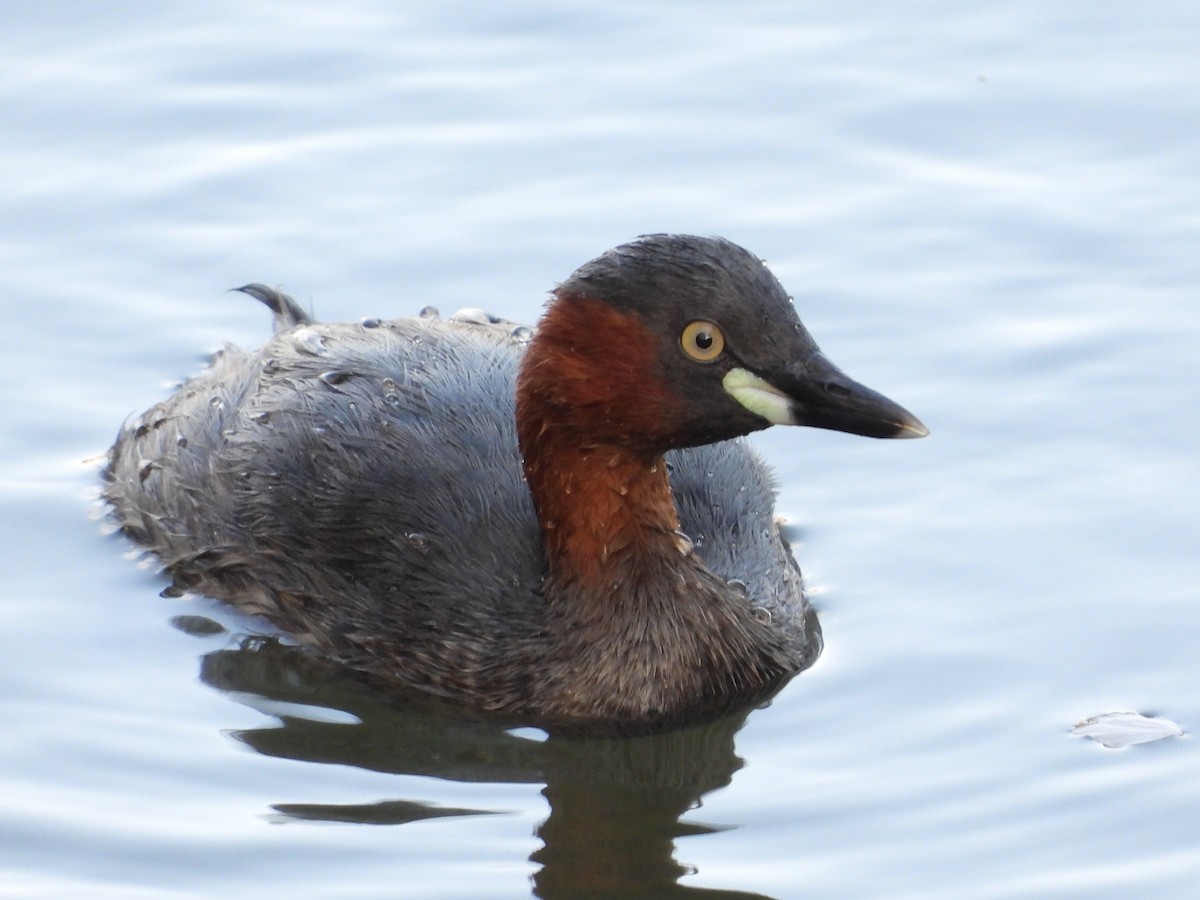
[[674, 341]]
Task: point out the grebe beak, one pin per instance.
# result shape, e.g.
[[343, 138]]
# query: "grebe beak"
[[816, 393]]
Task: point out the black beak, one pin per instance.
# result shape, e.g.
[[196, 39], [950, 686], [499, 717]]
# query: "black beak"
[[822, 396]]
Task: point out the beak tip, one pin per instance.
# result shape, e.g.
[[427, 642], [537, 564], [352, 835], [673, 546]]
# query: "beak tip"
[[911, 428]]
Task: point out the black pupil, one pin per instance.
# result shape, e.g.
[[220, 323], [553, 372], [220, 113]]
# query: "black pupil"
[[703, 340]]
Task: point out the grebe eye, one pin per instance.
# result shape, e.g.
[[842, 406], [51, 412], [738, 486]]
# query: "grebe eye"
[[702, 341]]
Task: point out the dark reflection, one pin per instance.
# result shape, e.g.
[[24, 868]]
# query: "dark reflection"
[[386, 812], [615, 803]]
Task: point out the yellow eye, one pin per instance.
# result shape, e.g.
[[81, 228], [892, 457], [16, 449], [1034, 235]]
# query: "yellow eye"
[[702, 341]]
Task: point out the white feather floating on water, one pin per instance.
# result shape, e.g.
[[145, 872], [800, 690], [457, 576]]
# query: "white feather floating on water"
[[1124, 729]]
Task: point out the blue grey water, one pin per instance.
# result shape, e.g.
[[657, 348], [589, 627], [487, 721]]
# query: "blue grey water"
[[988, 211]]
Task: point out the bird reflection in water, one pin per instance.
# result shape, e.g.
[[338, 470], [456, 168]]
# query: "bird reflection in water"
[[615, 803]]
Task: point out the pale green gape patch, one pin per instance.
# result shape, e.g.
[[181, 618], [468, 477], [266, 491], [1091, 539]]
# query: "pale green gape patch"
[[758, 396]]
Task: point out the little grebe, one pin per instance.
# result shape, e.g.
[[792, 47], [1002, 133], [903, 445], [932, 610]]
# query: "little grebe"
[[555, 525]]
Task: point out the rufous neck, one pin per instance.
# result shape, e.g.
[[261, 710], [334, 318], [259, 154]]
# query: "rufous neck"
[[606, 514], [592, 420]]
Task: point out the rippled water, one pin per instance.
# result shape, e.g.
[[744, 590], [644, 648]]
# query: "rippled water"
[[986, 211]]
